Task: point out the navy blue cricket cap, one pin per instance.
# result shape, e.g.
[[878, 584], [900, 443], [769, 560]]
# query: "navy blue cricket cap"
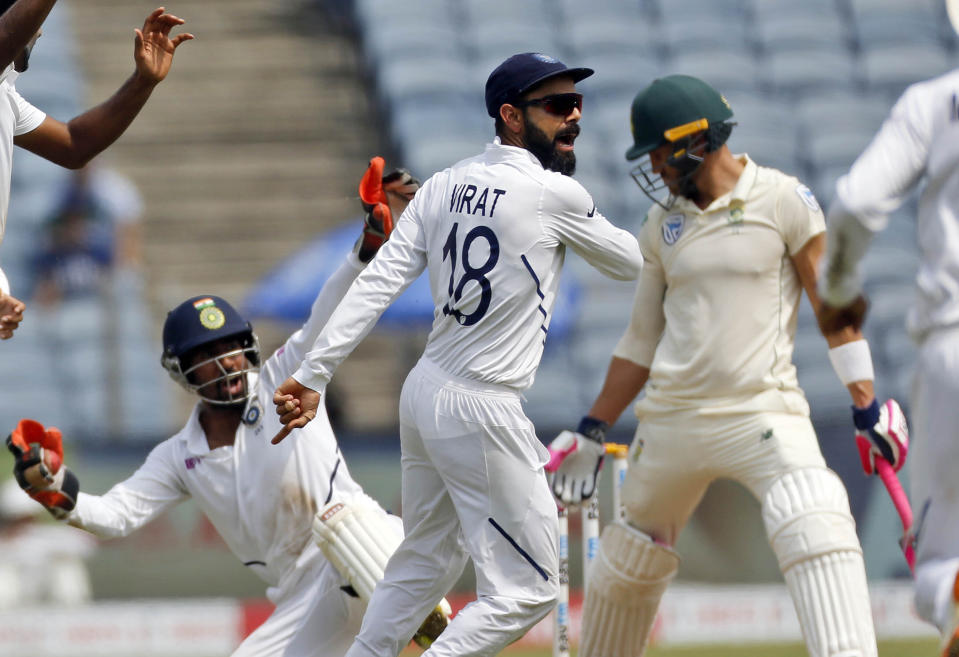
[[522, 72]]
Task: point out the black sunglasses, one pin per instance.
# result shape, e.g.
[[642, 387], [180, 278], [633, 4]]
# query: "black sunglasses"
[[557, 104]]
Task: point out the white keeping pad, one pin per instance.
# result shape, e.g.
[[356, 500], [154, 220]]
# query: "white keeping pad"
[[358, 540]]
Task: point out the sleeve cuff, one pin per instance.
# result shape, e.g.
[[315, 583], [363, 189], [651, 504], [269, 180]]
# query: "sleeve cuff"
[[307, 377]]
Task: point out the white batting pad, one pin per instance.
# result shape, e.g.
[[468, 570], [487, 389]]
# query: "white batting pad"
[[806, 514], [358, 541], [626, 581], [807, 519], [832, 601]]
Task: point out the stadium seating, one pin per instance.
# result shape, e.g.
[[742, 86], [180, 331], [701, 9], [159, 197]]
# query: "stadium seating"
[[89, 370], [809, 83]]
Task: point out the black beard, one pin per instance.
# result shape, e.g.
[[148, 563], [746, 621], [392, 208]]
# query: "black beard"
[[544, 148]]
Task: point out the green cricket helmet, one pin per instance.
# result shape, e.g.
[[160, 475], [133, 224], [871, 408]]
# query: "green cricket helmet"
[[684, 111]]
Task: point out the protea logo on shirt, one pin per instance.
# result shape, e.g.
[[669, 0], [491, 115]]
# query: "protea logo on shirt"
[[673, 228]]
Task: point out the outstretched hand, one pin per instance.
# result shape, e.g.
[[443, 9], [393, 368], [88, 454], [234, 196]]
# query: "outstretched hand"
[[153, 48], [296, 405]]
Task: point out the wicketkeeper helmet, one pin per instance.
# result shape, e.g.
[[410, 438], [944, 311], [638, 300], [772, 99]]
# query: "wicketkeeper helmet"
[[199, 321]]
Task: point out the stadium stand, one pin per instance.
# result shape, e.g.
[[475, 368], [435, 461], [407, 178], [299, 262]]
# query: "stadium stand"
[[809, 83]]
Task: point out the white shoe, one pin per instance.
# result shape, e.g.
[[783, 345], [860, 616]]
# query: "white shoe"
[[950, 638]]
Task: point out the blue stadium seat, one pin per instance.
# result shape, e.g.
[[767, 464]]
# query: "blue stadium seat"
[[679, 35], [495, 41], [440, 81], [614, 35], [824, 10], [717, 12], [891, 69], [432, 41], [904, 27], [799, 73], [726, 71], [837, 149], [617, 75], [785, 33], [577, 10], [529, 13], [427, 156], [861, 8], [370, 13], [838, 110]]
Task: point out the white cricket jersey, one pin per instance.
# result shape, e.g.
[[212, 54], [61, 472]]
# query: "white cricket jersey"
[[716, 307], [493, 231], [17, 117], [919, 139], [260, 497]]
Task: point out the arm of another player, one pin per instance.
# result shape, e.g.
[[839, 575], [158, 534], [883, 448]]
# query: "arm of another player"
[[571, 217], [397, 264], [875, 186], [18, 25], [576, 457], [880, 430], [383, 198], [75, 143]]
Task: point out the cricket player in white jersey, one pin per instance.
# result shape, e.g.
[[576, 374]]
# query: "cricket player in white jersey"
[[76, 142], [917, 144], [493, 231], [727, 256], [261, 499]]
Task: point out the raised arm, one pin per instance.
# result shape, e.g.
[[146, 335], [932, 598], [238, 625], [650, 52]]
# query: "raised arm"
[[75, 143], [383, 197], [398, 263]]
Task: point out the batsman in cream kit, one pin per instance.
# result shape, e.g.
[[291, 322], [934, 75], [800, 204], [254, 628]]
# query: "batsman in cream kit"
[[728, 253]]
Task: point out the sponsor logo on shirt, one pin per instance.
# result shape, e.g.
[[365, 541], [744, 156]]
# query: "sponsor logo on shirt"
[[807, 197], [191, 462], [673, 228]]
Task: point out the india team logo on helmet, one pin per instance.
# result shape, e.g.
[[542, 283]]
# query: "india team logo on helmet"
[[201, 321], [211, 317]]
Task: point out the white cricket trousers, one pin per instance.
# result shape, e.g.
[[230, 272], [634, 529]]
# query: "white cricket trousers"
[[473, 487], [933, 463], [313, 617]]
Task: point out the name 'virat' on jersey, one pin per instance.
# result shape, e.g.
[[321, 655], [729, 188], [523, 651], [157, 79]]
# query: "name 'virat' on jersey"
[[495, 228]]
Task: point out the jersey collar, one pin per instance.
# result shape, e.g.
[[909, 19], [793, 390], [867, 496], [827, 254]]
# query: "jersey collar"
[[497, 151], [739, 193]]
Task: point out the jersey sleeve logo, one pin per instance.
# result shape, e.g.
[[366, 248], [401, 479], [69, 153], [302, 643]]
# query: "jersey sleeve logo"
[[673, 228], [807, 197]]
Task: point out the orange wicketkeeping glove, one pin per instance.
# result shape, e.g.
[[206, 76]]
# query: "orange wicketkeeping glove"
[[38, 467], [378, 218]]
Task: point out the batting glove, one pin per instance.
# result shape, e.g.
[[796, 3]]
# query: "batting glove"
[[881, 431], [375, 191], [38, 467], [576, 458]]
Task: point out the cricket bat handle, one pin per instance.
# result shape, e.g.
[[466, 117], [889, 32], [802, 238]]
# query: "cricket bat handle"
[[901, 502]]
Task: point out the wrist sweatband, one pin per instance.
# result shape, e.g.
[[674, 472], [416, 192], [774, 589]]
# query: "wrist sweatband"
[[852, 362], [592, 428]]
